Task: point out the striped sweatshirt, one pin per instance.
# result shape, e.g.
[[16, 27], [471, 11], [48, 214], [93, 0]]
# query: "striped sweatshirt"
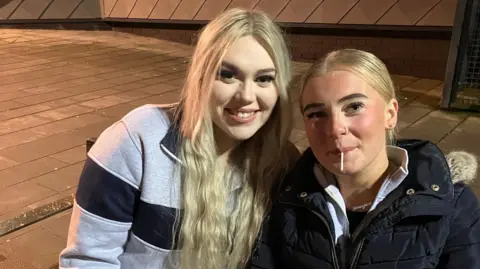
[[128, 196]]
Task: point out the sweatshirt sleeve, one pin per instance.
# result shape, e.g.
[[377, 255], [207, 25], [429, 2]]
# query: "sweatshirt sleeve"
[[105, 201]]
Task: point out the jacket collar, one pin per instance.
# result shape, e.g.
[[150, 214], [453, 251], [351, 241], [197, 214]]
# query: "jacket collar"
[[428, 174], [172, 139], [396, 155]]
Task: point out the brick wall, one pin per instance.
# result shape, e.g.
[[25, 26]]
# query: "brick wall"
[[425, 58], [413, 57]]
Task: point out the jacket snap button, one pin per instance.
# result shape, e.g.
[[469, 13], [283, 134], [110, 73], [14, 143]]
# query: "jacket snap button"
[[435, 187], [410, 191], [303, 194], [288, 188]]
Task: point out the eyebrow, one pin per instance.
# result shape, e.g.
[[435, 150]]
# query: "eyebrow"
[[236, 69], [341, 100]]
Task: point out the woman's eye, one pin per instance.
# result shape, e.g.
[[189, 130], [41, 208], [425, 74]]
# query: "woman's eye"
[[355, 107], [226, 75], [316, 114], [264, 80]]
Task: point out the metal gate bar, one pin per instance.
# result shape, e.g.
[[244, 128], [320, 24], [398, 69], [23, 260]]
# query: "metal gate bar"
[[462, 76]]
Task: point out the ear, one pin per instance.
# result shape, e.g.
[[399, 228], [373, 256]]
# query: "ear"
[[391, 114]]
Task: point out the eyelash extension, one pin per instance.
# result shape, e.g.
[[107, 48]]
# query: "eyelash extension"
[[225, 73], [265, 79], [313, 114], [355, 104], [348, 107]]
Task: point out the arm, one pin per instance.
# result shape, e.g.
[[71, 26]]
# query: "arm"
[[104, 203], [462, 249]]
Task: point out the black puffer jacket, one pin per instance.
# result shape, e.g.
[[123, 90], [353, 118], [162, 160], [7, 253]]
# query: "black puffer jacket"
[[436, 226]]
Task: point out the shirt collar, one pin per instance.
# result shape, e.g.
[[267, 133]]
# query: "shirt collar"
[[396, 155], [335, 202]]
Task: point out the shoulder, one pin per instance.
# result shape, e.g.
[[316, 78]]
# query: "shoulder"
[[141, 126], [299, 179], [465, 223], [435, 166], [149, 118], [464, 197], [121, 148], [303, 165]]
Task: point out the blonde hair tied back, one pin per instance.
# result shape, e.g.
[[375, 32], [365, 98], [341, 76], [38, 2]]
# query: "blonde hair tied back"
[[365, 65]]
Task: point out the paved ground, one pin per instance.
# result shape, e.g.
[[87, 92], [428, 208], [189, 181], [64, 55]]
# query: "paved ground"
[[58, 88]]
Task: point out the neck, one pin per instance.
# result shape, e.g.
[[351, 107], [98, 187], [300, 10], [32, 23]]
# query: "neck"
[[363, 187], [224, 143]]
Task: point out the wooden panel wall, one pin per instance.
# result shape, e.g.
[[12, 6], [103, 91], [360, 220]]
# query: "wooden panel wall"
[[370, 12], [50, 9]]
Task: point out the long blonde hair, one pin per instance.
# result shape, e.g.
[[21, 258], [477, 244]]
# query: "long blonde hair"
[[209, 236], [363, 64]]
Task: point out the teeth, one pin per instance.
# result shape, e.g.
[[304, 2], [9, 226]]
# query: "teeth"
[[244, 114]]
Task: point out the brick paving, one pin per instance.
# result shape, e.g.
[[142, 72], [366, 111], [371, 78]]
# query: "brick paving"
[[57, 88]]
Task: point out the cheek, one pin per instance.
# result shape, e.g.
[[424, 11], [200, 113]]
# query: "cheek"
[[267, 97], [368, 124], [316, 137], [221, 93]]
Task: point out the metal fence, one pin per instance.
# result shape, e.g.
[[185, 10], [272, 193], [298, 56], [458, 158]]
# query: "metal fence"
[[462, 78]]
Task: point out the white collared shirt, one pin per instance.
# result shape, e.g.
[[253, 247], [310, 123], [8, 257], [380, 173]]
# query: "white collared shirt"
[[336, 203]]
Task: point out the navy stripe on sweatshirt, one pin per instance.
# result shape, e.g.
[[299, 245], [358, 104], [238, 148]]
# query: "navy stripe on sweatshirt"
[[105, 195], [154, 224]]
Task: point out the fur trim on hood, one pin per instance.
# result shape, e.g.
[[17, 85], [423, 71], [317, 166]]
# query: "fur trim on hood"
[[463, 166]]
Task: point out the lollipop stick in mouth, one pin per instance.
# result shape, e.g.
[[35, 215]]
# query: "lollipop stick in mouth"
[[341, 152], [341, 161]]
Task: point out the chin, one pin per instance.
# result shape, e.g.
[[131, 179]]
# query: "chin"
[[241, 135], [345, 172], [334, 168], [349, 171]]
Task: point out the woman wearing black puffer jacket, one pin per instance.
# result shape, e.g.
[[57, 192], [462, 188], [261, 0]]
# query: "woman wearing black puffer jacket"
[[356, 199]]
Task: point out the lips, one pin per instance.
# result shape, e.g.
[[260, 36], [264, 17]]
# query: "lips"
[[337, 151], [242, 115]]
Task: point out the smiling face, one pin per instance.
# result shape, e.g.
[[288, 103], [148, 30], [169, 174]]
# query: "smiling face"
[[244, 93], [343, 113]]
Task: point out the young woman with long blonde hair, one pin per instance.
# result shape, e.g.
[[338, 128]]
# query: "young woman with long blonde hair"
[[187, 186]]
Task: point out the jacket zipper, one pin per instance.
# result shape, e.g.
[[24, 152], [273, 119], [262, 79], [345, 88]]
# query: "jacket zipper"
[[325, 222], [356, 256], [332, 241], [358, 249], [365, 223]]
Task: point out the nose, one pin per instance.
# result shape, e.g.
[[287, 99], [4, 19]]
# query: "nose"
[[246, 92], [336, 126]]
